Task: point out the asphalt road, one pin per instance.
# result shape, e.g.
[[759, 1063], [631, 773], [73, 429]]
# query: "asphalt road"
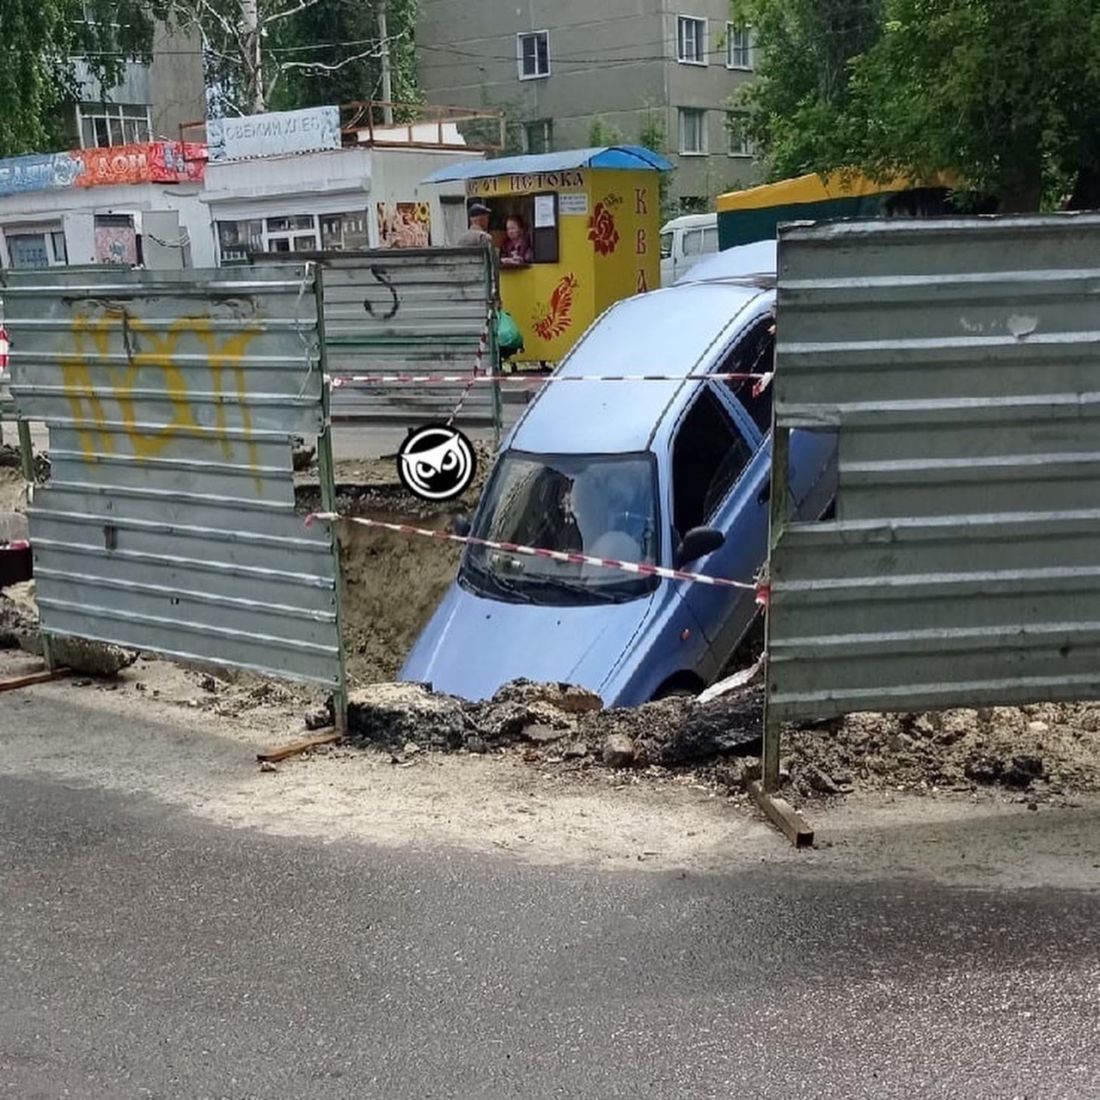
[[144, 953]]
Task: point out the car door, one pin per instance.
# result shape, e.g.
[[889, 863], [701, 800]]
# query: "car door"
[[717, 474], [813, 455]]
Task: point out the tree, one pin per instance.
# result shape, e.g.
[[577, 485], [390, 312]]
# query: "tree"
[[601, 132], [41, 43], [290, 53], [1003, 94], [343, 77], [798, 103], [653, 135]]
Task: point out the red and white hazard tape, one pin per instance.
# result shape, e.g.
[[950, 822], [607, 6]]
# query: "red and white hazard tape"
[[482, 344], [642, 568], [762, 381]]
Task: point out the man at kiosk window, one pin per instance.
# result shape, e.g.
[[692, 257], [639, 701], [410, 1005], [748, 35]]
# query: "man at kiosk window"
[[478, 232]]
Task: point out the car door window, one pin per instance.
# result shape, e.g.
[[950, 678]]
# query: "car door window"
[[754, 353], [710, 239], [708, 457], [693, 242]]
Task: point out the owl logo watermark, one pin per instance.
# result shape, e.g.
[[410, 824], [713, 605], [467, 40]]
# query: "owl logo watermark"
[[436, 462]]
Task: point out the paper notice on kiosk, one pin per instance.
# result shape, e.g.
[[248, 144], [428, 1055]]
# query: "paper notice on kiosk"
[[544, 212], [573, 202]]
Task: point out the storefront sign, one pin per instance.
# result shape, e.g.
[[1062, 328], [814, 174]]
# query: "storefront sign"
[[525, 183], [274, 134], [156, 162], [38, 173], [151, 162]]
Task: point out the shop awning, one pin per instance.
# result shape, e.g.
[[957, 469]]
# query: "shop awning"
[[631, 157]]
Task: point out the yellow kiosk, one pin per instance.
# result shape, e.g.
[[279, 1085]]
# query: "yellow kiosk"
[[575, 232]]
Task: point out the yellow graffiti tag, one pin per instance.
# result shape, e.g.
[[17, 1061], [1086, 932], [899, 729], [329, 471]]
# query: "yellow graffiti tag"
[[149, 350]]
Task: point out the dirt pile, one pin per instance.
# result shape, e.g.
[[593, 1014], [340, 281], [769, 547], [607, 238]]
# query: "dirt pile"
[[19, 630], [392, 583], [10, 461], [556, 722], [1040, 751], [13, 491]]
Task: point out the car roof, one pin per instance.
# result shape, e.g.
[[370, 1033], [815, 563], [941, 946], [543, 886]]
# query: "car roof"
[[757, 260], [665, 332], [690, 221]]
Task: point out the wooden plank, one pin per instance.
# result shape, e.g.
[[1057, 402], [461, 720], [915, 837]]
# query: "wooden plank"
[[273, 756], [29, 678], [783, 816]]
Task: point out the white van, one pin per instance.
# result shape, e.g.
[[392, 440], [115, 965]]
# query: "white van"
[[684, 242]]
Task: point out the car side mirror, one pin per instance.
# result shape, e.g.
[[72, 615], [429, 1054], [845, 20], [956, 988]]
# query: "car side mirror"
[[697, 543], [460, 525]]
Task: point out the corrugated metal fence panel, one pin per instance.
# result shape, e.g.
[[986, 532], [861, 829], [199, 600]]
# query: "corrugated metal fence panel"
[[960, 362], [168, 523], [406, 311], [7, 403]]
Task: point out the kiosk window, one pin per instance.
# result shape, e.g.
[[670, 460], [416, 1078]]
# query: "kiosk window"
[[525, 229]]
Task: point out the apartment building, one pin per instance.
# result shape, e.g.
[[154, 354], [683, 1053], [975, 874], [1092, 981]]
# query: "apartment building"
[[565, 74], [151, 101]]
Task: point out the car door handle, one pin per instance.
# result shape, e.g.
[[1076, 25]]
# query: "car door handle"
[[765, 493]]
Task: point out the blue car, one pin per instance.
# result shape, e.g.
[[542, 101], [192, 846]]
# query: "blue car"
[[674, 473]]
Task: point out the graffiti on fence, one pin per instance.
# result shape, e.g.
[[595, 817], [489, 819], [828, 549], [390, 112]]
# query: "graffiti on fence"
[[382, 276], [92, 380]]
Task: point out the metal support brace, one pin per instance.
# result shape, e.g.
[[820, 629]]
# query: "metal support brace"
[[26, 450], [26, 462], [781, 451], [327, 475], [492, 348]]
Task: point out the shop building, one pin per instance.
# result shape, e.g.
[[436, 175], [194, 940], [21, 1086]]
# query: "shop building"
[[134, 204], [303, 181]]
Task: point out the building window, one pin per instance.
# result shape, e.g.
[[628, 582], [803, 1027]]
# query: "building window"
[[737, 130], [533, 54], [738, 47], [237, 239], [104, 124], [27, 250], [691, 40], [538, 137], [37, 248], [693, 131]]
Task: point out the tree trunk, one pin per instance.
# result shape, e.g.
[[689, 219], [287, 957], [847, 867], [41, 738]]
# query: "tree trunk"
[[1021, 185], [387, 79], [253, 57]]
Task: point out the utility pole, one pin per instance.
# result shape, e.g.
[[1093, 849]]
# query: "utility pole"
[[254, 69], [387, 78]]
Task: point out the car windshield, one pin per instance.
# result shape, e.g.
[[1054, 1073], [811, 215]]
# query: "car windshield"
[[600, 505]]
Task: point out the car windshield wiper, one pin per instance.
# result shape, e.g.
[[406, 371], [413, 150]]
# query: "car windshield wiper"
[[490, 582], [576, 587]]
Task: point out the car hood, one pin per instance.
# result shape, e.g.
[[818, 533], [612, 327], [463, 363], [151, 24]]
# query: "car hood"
[[473, 645]]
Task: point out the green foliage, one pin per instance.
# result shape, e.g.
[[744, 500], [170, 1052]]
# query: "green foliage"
[[653, 135], [38, 84], [1004, 94], [313, 52], [601, 132], [329, 25]]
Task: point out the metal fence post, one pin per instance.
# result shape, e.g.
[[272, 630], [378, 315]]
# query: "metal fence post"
[[326, 473], [493, 348], [26, 449], [781, 443]]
